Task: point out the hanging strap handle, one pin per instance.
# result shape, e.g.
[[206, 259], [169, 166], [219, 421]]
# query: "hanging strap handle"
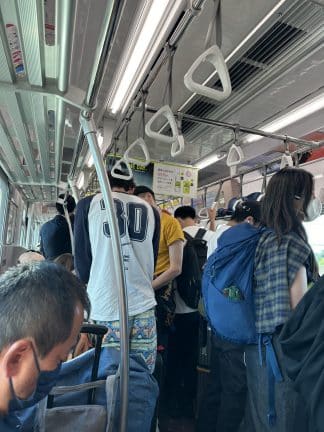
[[286, 160], [214, 56], [118, 166], [63, 201], [176, 140], [141, 144], [264, 180], [144, 96], [241, 185], [215, 25]]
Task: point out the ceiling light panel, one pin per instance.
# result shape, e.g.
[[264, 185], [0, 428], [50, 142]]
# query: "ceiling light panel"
[[145, 41]]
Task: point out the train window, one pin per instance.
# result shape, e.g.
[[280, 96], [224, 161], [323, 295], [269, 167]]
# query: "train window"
[[3, 206], [315, 236], [12, 216]]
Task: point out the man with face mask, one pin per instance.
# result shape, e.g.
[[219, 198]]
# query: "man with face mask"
[[42, 308]]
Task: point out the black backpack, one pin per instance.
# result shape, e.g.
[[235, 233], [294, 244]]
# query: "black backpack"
[[194, 259]]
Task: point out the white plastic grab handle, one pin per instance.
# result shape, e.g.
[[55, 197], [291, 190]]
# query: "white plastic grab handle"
[[214, 56], [286, 160], [138, 143], [168, 114], [176, 139], [235, 156], [118, 165], [177, 146]]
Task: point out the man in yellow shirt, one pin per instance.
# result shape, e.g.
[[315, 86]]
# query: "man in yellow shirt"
[[168, 266]]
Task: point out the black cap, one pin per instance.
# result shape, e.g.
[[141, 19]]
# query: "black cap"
[[143, 189]]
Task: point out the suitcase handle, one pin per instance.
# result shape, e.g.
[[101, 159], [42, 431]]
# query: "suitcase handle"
[[96, 329]]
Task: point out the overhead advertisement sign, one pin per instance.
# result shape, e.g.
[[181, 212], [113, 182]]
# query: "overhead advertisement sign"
[[175, 180]]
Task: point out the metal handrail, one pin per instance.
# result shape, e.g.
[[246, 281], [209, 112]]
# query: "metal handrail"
[[88, 128], [90, 131]]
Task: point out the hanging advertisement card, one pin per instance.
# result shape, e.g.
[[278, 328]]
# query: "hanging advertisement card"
[[175, 180]]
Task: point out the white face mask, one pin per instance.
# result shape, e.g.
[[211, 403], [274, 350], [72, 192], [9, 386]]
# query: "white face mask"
[[314, 209]]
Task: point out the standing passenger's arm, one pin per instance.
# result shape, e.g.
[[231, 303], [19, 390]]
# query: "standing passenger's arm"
[[212, 216], [299, 287], [82, 246], [156, 235], [175, 256]]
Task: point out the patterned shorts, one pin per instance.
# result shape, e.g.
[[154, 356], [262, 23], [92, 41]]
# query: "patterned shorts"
[[142, 336]]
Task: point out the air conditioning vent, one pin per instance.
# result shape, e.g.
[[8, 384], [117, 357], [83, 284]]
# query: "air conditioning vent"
[[292, 29], [200, 106], [239, 73], [262, 159], [275, 40]]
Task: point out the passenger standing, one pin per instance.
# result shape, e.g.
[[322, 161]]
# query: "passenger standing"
[[183, 342], [284, 266], [168, 267], [95, 265], [55, 237], [222, 405]]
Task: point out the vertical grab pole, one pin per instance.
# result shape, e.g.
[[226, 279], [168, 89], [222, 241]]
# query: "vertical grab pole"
[[89, 129], [74, 190]]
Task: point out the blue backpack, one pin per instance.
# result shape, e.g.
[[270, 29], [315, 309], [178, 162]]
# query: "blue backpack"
[[227, 289], [227, 285]]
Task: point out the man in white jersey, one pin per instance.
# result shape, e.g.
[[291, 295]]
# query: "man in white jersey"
[[139, 228]]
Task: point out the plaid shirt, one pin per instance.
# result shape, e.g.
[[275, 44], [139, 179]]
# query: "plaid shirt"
[[275, 270]]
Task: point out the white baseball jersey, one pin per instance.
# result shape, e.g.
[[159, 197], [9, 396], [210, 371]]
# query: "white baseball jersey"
[[95, 262]]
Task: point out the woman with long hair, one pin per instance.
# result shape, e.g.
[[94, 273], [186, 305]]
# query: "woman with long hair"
[[284, 267]]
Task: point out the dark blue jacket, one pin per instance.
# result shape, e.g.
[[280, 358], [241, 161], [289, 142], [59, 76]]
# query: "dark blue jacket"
[[55, 237]]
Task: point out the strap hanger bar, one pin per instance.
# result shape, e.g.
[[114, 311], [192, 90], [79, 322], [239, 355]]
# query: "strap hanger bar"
[[244, 129], [225, 179]]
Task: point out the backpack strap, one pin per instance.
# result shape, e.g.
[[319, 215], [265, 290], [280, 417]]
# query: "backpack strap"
[[200, 234], [274, 374], [187, 236]]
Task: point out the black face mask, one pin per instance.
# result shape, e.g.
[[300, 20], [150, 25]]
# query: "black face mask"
[[45, 382]]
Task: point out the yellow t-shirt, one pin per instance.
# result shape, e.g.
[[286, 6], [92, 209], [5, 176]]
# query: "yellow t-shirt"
[[169, 233]]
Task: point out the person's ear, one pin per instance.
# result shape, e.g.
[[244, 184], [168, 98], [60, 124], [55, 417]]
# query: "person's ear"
[[249, 220], [14, 356]]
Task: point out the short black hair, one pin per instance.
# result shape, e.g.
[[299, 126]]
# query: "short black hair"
[[38, 301], [70, 204], [143, 189], [245, 209], [120, 183], [184, 212]]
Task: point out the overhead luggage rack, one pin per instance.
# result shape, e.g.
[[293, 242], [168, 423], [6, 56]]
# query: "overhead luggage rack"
[[34, 67], [43, 79]]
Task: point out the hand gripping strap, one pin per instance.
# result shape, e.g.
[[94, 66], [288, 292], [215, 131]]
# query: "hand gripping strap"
[[214, 56], [138, 143]]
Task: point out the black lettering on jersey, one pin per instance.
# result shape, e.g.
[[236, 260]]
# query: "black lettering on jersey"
[[102, 204], [136, 220]]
